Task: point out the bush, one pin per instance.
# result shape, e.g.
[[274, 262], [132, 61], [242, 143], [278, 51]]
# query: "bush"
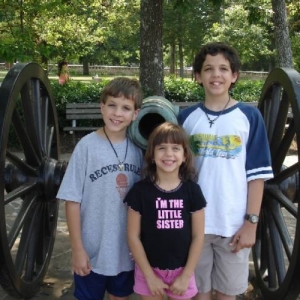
[[177, 90]]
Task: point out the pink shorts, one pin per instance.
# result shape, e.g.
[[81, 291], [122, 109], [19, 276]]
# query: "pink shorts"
[[167, 276]]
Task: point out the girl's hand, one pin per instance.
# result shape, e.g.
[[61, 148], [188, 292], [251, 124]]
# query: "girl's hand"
[[81, 263], [156, 286], [180, 285]]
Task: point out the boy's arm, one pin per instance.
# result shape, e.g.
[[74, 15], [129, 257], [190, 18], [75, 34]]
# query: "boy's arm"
[[155, 285], [80, 260], [180, 285], [245, 237]]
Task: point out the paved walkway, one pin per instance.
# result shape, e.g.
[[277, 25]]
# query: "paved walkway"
[[58, 283]]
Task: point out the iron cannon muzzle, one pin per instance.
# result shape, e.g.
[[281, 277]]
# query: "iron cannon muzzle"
[[155, 111]]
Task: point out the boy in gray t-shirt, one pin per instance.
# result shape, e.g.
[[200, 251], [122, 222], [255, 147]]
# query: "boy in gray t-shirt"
[[103, 167]]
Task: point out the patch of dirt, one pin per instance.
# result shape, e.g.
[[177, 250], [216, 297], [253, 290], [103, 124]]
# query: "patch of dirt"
[[68, 141]]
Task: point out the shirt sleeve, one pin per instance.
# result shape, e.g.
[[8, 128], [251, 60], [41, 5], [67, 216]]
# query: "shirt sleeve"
[[72, 185], [133, 199], [198, 201], [258, 161]]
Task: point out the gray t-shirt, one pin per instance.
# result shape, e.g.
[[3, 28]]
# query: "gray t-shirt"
[[93, 179]]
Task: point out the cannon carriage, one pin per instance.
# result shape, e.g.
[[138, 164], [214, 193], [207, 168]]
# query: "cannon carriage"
[[29, 209]]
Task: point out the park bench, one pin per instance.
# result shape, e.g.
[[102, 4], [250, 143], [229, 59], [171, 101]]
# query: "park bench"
[[82, 111], [91, 111]]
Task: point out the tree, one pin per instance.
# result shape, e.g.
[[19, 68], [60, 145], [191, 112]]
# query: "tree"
[[282, 38], [151, 51]]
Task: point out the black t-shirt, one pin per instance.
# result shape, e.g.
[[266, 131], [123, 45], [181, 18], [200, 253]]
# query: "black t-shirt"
[[166, 226]]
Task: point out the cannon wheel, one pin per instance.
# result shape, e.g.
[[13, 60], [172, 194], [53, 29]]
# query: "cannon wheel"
[[28, 208], [276, 252]]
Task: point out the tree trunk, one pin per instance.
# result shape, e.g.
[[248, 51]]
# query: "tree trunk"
[[172, 59], [180, 50], [282, 39], [85, 65], [151, 51]]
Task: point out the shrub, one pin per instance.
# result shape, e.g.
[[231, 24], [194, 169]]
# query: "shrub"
[[177, 90]]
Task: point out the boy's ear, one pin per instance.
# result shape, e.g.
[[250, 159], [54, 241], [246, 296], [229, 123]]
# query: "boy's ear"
[[198, 78], [234, 77], [135, 114]]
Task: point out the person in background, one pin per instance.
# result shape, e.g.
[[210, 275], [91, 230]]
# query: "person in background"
[[232, 156], [63, 72], [166, 218], [102, 168]]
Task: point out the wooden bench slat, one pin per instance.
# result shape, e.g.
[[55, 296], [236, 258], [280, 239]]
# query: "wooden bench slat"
[[82, 117], [91, 128], [83, 105], [83, 111]]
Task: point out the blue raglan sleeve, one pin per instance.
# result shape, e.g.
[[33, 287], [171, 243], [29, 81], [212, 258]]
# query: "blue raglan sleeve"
[[258, 160]]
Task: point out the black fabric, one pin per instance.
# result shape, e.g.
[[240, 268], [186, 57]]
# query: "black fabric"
[[166, 220]]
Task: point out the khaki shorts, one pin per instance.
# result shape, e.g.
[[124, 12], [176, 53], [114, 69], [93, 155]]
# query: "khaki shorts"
[[220, 269]]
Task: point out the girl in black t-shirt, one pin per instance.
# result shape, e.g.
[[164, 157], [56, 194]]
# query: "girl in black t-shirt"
[[166, 218]]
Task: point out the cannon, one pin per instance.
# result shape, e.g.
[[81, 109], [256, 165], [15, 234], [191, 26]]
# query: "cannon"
[[29, 209]]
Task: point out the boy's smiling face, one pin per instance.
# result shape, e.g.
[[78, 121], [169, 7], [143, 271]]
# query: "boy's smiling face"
[[216, 75], [118, 113]]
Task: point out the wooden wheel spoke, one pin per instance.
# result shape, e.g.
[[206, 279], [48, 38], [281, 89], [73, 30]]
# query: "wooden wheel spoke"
[[19, 192], [44, 234], [27, 238], [22, 165], [276, 194], [25, 140], [280, 124], [280, 154], [271, 109], [30, 94], [269, 276], [285, 174], [41, 109], [26, 208], [282, 228]]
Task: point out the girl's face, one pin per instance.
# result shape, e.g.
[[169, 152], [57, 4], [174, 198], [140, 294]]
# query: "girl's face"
[[168, 158], [216, 75]]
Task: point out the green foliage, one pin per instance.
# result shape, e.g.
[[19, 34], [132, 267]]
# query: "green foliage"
[[247, 90], [74, 92], [176, 90], [180, 90]]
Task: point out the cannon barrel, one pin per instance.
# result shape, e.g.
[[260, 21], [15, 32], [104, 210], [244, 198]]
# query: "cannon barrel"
[[155, 110]]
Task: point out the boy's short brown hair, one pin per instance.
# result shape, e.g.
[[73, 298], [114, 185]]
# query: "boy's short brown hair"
[[215, 48], [126, 87]]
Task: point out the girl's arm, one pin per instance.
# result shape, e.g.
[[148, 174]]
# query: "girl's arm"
[[80, 260], [155, 285], [180, 285], [245, 237]]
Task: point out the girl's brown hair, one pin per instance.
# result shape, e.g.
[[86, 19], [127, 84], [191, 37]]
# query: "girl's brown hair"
[[169, 133]]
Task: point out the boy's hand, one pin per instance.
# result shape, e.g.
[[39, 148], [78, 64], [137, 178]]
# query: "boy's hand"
[[180, 285], [156, 286], [81, 263], [244, 238]]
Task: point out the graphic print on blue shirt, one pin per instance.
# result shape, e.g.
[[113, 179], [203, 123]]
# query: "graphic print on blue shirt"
[[169, 213]]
